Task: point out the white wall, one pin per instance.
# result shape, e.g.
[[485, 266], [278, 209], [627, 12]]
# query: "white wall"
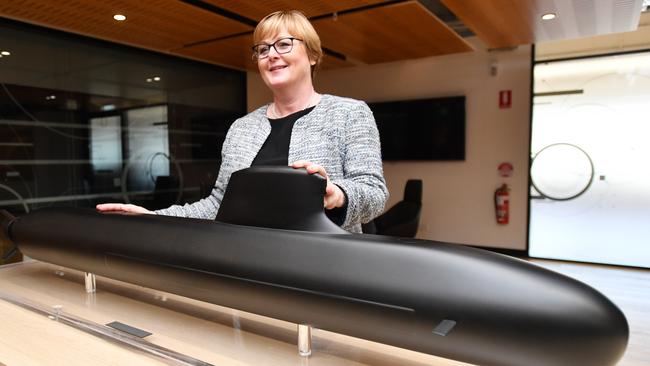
[[458, 196]]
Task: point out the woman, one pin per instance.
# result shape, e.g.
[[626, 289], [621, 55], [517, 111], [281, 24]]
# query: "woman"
[[324, 134]]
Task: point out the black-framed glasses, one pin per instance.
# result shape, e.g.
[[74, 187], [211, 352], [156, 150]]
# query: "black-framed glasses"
[[282, 45]]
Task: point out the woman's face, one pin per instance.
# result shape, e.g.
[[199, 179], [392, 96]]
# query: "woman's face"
[[284, 70]]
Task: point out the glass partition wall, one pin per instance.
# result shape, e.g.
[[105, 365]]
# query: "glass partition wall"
[[85, 121], [590, 197]]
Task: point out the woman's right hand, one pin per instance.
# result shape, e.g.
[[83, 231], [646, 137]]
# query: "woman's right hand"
[[122, 207]]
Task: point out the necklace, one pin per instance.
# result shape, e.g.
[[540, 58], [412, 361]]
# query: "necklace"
[[274, 112]]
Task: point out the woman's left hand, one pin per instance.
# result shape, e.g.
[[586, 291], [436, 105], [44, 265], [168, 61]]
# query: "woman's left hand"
[[334, 196]]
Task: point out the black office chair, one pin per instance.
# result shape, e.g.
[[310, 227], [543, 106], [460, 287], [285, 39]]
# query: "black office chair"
[[403, 218]]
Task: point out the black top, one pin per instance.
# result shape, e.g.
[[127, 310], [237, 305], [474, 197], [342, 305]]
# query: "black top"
[[275, 151]]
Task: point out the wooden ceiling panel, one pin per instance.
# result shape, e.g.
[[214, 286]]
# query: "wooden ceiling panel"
[[256, 10], [369, 34], [507, 23], [389, 33], [158, 25], [499, 23], [331, 62], [236, 52]]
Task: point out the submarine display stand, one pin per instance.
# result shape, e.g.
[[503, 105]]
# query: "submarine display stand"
[[281, 258]]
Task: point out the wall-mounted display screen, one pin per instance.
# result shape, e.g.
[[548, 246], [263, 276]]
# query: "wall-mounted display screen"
[[423, 129]]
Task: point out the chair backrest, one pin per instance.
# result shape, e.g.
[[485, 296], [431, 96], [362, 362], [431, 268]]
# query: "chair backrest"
[[402, 219], [413, 190]]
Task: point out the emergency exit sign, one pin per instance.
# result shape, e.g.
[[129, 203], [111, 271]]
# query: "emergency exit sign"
[[505, 99]]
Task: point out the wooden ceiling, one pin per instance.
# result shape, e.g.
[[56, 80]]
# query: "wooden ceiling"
[[256, 10], [158, 25], [353, 32], [220, 31], [390, 33]]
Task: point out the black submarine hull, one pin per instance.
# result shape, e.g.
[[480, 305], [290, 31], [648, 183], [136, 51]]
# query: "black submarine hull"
[[443, 299]]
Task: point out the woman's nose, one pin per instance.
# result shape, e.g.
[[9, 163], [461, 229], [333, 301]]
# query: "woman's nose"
[[273, 52]]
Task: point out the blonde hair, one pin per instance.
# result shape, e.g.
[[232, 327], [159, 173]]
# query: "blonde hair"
[[297, 24]]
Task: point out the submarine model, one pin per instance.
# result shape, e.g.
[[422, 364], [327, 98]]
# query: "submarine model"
[[272, 251]]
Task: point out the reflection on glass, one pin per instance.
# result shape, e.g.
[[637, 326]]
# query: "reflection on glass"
[[147, 140], [106, 144], [80, 125]]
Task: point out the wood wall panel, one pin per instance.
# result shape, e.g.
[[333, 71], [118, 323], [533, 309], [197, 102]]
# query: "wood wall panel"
[[256, 10], [158, 25], [394, 32]]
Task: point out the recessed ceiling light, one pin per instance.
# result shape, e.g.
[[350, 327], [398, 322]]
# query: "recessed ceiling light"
[[548, 16], [156, 78], [5, 53], [119, 17], [149, 80]]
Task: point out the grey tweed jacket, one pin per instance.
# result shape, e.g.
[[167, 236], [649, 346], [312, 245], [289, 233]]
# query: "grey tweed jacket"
[[339, 134]]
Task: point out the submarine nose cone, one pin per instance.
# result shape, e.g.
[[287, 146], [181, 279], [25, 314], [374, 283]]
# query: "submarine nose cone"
[[603, 329], [578, 325]]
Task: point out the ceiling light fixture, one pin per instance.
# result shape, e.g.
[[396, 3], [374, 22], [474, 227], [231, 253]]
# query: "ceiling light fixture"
[[119, 17], [149, 80], [5, 53], [156, 78], [549, 16]]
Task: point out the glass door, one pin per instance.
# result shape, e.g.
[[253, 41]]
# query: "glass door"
[[590, 173]]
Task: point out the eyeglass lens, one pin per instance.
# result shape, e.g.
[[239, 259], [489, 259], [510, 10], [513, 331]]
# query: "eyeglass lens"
[[283, 45]]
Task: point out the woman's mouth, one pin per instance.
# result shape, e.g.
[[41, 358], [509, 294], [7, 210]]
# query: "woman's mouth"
[[278, 67]]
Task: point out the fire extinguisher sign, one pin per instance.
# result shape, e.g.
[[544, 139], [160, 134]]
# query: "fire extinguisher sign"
[[505, 99]]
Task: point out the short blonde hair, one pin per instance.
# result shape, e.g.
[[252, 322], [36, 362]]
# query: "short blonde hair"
[[296, 23]]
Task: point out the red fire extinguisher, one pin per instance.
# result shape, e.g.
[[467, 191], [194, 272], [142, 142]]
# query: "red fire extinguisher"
[[502, 204]]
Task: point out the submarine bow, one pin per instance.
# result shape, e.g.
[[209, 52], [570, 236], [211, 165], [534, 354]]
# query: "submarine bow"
[[438, 298]]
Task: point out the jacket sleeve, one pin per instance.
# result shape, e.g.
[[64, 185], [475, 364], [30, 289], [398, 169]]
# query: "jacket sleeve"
[[363, 178], [208, 207]]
